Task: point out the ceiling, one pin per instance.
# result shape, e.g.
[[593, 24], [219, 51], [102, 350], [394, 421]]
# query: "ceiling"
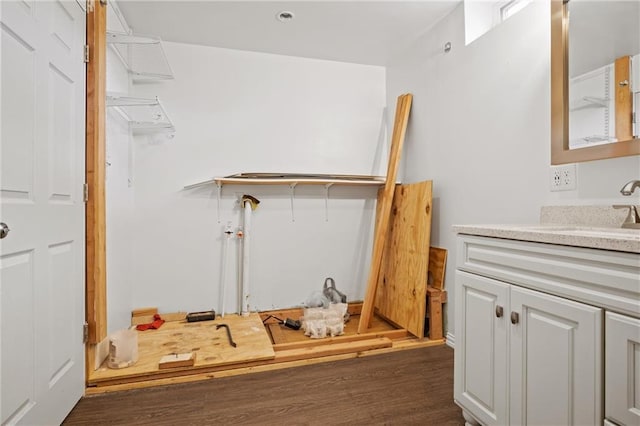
[[365, 32]]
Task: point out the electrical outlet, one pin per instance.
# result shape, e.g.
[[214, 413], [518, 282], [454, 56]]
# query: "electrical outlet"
[[563, 178]]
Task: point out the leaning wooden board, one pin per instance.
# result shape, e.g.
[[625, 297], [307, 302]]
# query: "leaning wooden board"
[[403, 109], [402, 282]]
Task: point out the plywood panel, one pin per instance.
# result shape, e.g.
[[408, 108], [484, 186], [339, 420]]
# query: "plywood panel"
[[402, 282], [210, 345]]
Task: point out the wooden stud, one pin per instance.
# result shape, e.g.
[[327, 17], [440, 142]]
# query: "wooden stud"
[[332, 349], [144, 312], [437, 267], [95, 228], [391, 334], [403, 109], [436, 298]]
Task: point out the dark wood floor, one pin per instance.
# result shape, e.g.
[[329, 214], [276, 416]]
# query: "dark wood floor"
[[412, 387]]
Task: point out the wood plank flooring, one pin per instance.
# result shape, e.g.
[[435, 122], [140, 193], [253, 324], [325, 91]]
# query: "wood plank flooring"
[[410, 387]]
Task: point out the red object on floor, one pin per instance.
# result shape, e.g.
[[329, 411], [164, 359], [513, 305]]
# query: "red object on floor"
[[157, 322]]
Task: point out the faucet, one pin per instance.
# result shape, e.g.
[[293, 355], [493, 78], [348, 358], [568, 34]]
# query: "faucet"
[[629, 187], [633, 218]]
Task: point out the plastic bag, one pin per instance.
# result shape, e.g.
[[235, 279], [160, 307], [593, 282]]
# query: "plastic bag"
[[123, 349]]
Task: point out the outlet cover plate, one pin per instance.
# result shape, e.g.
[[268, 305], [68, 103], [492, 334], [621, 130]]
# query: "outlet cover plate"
[[563, 178]]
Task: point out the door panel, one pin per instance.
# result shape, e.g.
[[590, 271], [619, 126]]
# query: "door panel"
[[556, 362], [41, 177], [481, 355], [18, 122], [16, 278], [60, 145], [622, 369]]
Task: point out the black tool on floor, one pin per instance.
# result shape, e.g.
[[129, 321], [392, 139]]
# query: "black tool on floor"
[[201, 316], [231, 342], [293, 324]]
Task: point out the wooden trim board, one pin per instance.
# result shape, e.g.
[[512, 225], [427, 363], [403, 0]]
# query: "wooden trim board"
[[95, 209], [392, 334]]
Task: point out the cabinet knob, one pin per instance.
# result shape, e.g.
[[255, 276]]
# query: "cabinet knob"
[[499, 311], [515, 317]]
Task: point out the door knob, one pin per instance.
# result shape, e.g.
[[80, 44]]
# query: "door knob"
[[499, 311], [515, 317], [4, 230]]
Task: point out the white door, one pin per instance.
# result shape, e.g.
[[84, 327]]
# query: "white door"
[[481, 370], [42, 86], [622, 369], [556, 360]]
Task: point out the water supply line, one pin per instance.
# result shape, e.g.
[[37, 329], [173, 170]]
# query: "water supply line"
[[223, 272], [249, 203]]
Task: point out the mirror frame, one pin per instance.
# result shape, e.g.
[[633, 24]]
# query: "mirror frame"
[[560, 152]]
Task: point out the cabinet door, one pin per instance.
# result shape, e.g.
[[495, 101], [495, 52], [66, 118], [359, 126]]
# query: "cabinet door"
[[480, 384], [622, 369], [556, 361]]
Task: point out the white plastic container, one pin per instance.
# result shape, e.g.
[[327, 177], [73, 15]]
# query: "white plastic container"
[[123, 349]]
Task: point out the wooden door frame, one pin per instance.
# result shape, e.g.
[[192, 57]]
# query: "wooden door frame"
[[95, 208]]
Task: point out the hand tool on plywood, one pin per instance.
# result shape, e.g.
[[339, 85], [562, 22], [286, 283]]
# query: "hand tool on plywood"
[[201, 316], [231, 342], [403, 108]]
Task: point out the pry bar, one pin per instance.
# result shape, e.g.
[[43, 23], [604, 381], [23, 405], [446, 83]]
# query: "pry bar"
[[231, 342]]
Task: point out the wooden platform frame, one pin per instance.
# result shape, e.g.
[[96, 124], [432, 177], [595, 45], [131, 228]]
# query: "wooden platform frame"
[[287, 355]]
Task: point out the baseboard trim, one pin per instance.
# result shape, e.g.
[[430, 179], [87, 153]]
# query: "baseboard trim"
[[451, 340]]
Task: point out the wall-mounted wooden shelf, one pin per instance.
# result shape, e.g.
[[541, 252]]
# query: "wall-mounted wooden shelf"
[[292, 180]]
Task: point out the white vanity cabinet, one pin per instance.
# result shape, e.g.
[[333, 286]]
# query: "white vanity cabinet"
[[530, 333], [622, 369]]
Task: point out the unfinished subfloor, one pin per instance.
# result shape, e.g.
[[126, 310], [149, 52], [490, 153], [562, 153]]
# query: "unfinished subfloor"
[[260, 347]]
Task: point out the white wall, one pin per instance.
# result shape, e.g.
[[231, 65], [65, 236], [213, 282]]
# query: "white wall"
[[480, 128], [240, 111], [119, 202]]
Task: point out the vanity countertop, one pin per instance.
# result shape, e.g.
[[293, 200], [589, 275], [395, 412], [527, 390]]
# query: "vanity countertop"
[[605, 238]]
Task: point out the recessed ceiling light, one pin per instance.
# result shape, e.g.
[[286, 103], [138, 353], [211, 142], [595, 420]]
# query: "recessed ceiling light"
[[285, 16]]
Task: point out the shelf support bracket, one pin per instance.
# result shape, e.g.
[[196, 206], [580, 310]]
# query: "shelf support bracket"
[[292, 193], [219, 185], [326, 201]]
